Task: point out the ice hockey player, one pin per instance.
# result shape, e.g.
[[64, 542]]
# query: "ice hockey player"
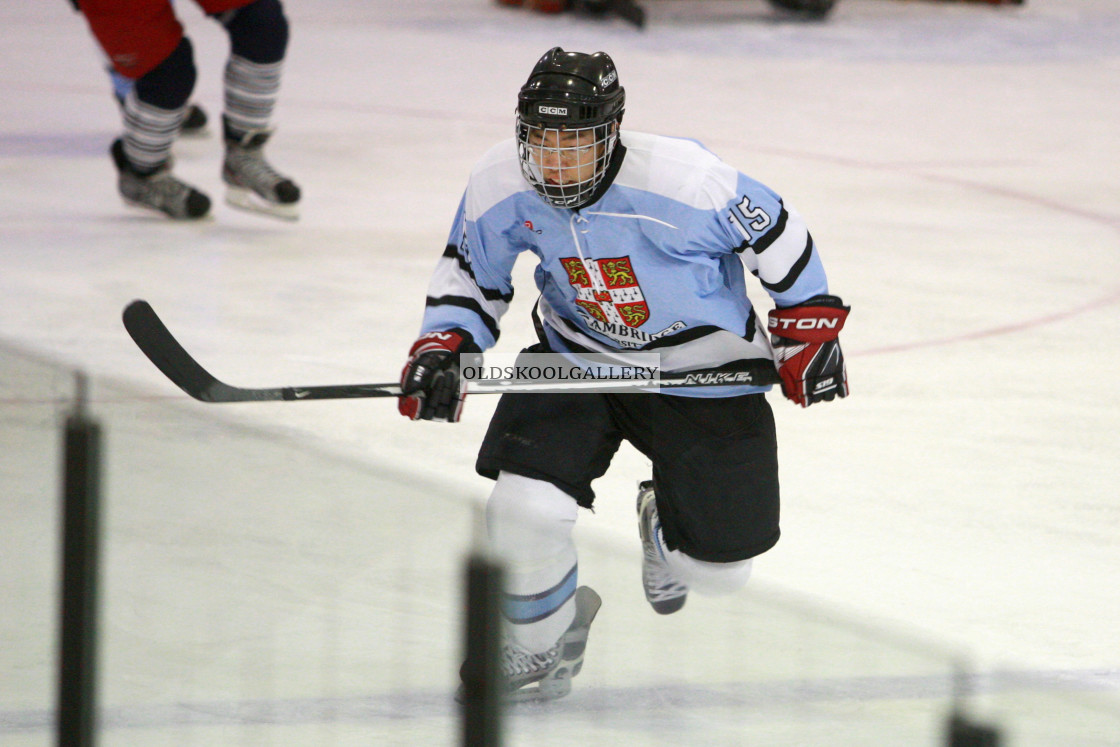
[[145, 43], [644, 243]]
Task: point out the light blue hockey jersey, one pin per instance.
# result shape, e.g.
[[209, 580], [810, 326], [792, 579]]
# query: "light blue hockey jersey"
[[655, 264]]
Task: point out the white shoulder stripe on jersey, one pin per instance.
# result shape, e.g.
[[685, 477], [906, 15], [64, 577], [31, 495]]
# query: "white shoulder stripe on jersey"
[[684, 169], [495, 177]]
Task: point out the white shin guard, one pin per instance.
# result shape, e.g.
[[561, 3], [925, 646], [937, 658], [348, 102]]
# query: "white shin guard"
[[530, 525]]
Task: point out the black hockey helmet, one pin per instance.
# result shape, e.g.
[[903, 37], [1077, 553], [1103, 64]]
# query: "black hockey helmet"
[[571, 89], [569, 92]]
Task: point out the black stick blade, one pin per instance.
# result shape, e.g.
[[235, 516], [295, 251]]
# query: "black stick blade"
[[162, 349]]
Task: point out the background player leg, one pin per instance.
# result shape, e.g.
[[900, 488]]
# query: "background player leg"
[[153, 113], [144, 42], [194, 121], [258, 35]]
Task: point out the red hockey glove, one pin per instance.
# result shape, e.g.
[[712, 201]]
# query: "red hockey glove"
[[431, 376], [807, 350]]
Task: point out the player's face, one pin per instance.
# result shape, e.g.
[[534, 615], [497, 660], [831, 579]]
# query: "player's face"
[[564, 157]]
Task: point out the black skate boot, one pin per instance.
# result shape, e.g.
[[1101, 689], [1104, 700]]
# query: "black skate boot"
[[157, 190], [194, 123], [252, 184]]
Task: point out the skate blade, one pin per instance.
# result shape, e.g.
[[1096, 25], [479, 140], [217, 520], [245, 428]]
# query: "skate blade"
[[544, 691], [530, 693], [250, 201], [143, 207]]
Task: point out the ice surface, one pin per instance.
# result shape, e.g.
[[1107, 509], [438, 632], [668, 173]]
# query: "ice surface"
[[956, 163]]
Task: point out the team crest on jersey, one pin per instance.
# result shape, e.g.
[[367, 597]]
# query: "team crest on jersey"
[[611, 300], [608, 292]]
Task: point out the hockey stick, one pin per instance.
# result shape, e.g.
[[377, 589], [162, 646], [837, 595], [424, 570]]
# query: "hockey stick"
[[161, 347]]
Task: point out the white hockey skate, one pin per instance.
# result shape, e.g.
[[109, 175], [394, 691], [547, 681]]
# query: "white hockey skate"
[[251, 183], [663, 591], [547, 675]]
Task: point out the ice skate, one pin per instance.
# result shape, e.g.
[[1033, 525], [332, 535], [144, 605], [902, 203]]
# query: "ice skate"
[[663, 592], [548, 675], [158, 190], [252, 184]]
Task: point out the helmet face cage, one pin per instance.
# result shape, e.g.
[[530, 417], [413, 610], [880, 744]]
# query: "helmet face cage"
[[565, 164]]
